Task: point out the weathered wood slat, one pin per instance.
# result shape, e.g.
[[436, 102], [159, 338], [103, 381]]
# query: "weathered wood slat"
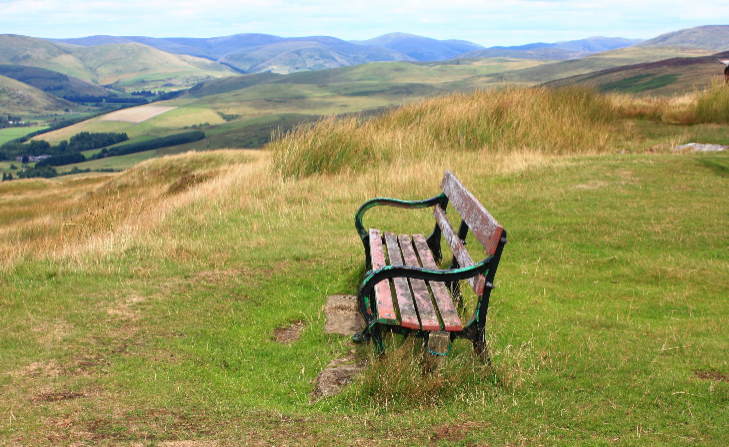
[[459, 250], [428, 317], [448, 313], [408, 317], [383, 295], [486, 229]]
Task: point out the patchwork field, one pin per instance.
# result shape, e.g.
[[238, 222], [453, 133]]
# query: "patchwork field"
[[234, 105], [136, 114]]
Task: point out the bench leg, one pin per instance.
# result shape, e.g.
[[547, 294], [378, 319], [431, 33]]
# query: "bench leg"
[[377, 339], [479, 345]]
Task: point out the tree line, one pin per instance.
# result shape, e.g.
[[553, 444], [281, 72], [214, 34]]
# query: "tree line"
[[80, 142]]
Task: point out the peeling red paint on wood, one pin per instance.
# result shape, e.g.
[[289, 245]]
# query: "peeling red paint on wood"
[[408, 316], [383, 296], [428, 317], [442, 295]]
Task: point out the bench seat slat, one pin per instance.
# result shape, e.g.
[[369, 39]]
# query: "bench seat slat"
[[448, 313], [428, 316], [459, 250], [383, 295], [408, 316]]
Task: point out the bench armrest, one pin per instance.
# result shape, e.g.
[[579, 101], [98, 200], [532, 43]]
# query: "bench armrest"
[[384, 201], [406, 271]]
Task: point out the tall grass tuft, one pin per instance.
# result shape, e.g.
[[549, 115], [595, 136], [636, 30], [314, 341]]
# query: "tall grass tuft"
[[713, 105], [408, 378], [549, 121]]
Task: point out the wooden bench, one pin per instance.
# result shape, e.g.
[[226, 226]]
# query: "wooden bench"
[[405, 291]]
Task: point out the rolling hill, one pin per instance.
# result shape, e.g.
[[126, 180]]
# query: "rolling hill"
[[665, 77], [253, 53], [128, 66], [422, 49], [237, 108], [601, 61], [709, 37], [555, 51], [52, 82], [20, 98]]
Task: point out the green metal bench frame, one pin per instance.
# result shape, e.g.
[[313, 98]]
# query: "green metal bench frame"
[[473, 217]]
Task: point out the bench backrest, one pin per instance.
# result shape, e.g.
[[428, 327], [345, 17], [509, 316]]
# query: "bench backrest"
[[474, 217]]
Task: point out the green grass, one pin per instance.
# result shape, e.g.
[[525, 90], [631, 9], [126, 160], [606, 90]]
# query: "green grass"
[[607, 324], [639, 83], [11, 133], [117, 163]]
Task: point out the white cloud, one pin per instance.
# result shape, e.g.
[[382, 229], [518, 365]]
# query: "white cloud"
[[487, 22]]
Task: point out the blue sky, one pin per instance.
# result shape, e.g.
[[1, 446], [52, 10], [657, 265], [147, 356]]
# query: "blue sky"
[[503, 22]]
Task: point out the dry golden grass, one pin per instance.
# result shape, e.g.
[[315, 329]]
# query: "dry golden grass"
[[548, 121], [96, 214], [70, 216], [498, 132], [710, 105]]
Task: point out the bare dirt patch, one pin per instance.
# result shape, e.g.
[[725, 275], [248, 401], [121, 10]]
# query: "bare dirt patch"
[[125, 309], [40, 369], [716, 376], [594, 184], [189, 444], [342, 316], [136, 114], [57, 396], [338, 374], [452, 432], [51, 333], [290, 333]]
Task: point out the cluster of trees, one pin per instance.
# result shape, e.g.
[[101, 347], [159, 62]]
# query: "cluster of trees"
[[60, 160], [154, 143], [68, 152], [9, 121], [80, 142]]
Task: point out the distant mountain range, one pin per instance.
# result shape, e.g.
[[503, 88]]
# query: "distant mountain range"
[[256, 53], [109, 66], [572, 49], [422, 49]]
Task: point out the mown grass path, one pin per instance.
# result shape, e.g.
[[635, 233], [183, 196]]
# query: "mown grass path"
[[608, 324]]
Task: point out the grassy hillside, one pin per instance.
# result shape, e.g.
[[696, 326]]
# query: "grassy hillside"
[[129, 66], [140, 307], [710, 37], [667, 77], [593, 63], [52, 82], [20, 98]]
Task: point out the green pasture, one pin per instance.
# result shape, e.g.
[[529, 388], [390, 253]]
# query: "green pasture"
[[11, 133], [608, 324]]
